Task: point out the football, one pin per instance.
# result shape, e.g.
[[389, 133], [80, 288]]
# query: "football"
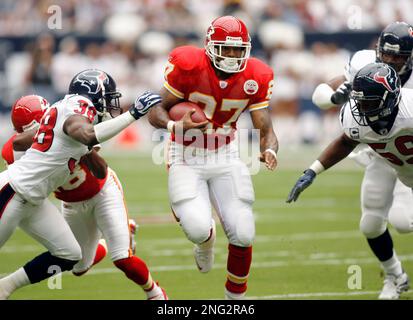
[[178, 111]]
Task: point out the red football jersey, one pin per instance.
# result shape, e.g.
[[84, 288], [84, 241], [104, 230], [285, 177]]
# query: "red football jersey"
[[190, 76], [82, 184]]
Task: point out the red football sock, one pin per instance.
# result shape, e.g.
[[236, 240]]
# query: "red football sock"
[[100, 254], [238, 267], [136, 270]]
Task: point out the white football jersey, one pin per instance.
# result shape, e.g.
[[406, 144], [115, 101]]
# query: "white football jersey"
[[397, 145], [53, 155], [362, 58]]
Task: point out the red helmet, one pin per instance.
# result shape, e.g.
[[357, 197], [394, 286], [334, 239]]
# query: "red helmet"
[[228, 31], [27, 112]]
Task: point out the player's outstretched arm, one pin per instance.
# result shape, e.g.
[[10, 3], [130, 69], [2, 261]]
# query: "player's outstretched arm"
[[23, 141], [80, 129], [159, 116], [261, 120], [334, 153]]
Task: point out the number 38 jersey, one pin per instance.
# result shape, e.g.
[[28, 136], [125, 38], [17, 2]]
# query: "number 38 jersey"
[[397, 145], [53, 155]]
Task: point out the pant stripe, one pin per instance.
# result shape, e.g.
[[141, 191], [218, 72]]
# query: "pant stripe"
[[6, 194]]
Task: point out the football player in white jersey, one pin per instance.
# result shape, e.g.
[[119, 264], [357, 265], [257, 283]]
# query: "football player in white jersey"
[[67, 131], [92, 204], [395, 48], [379, 114]]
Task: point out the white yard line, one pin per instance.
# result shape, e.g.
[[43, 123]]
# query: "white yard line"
[[317, 294]]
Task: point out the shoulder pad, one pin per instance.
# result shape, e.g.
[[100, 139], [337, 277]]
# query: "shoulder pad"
[[187, 57]]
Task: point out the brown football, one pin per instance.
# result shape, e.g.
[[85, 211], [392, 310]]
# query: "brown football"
[[178, 111]]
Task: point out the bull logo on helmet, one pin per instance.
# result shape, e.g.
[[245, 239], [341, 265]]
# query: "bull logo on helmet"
[[93, 80], [383, 80]]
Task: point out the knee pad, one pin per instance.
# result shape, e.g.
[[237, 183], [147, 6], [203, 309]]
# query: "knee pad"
[[401, 221], [197, 233], [244, 233], [372, 226]]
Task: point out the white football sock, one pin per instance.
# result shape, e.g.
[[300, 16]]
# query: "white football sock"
[[156, 290], [14, 281], [393, 266]]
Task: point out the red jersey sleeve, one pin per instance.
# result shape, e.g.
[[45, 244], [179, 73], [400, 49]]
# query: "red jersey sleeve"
[[181, 65], [264, 76], [7, 151]]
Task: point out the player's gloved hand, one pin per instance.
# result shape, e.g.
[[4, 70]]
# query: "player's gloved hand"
[[342, 93], [302, 183], [144, 103]]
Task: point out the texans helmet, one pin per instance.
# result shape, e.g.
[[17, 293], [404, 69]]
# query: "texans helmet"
[[27, 111], [395, 47], [100, 88], [375, 97], [227, 32]]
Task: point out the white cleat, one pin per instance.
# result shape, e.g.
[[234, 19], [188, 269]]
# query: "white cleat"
[[394, 286], [204, 257], [234, 296]]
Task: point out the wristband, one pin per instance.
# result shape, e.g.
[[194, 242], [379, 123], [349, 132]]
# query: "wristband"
[[317, 167], [272, 152], [170, 126]]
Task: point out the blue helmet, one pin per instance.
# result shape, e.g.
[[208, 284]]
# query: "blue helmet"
[[395, 47], [100, 88], [375, 96]]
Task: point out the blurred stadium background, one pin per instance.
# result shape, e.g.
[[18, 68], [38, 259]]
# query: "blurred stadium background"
[[305, 41], [303, 250]]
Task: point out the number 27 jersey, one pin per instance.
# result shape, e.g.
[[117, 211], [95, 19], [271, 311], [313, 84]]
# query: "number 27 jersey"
[[53, 155]]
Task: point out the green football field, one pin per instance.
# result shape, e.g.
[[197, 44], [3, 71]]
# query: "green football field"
[[302, 250]]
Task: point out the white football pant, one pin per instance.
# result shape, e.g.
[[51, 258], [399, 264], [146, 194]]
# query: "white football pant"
[[105, 214], [199, 177], [42, 222], [384, 198]]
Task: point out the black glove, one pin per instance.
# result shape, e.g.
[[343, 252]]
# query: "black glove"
[[342, 93], [143, 103], [302, 183]]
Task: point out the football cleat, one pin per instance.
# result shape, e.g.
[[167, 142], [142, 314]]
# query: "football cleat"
[[394, 286], [161, 295], [204, 254], [234, 296], [132, 231]]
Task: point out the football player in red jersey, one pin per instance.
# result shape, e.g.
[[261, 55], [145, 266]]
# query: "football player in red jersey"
[[224, 81], [92, 203]]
